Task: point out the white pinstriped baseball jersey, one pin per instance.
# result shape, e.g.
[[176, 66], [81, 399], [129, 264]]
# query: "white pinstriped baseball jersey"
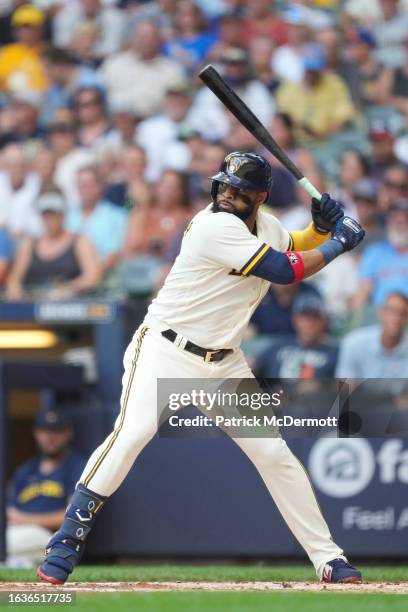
[[207, 296]]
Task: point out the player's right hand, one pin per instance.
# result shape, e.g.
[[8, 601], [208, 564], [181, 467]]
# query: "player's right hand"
[[348, 232]]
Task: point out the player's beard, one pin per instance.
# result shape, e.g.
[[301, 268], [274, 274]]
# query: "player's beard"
[[242, 214]]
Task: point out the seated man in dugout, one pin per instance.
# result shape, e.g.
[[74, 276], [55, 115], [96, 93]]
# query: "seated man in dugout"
[[40, 489]]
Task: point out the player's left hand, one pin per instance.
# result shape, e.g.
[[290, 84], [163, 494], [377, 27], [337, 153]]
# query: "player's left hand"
[[325, 213]]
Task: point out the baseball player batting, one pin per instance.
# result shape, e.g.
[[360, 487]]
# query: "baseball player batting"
[[193, 329]]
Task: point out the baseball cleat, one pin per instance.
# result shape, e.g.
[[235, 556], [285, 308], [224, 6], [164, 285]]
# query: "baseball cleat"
[[50, 579], [61, 556], [341, 571]]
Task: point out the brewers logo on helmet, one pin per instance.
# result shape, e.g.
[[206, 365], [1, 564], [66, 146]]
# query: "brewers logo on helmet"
[[243, 171]]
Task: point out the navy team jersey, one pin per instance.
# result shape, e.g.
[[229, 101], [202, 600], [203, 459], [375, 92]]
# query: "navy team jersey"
[[37, 492], [287, 359]]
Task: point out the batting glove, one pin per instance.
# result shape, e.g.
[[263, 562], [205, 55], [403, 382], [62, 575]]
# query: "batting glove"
[[348, 232], [325, 213]]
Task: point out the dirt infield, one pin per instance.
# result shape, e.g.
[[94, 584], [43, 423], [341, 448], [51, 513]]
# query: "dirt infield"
[[400, 588]]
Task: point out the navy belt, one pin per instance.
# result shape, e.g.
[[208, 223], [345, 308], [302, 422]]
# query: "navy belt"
[[207, 354]]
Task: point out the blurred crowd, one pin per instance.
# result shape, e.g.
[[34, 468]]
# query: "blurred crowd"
[[108, 137]]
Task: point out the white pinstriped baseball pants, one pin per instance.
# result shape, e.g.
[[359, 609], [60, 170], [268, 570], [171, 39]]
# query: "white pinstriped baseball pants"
[[148, 357]]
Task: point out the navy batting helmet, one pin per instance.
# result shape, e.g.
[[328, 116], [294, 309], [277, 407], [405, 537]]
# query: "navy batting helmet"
[[244, 171]]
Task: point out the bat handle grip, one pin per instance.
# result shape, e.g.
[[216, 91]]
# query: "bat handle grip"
[[311, 189]]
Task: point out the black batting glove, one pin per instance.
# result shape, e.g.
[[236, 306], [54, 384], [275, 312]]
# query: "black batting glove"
[[348, 232], [325, 213]]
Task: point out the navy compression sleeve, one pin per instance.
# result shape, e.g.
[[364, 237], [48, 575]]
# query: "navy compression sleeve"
[[281, 268]]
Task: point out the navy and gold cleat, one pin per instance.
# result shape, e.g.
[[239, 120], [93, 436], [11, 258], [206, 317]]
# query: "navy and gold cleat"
[[341, 571], [62, 554]]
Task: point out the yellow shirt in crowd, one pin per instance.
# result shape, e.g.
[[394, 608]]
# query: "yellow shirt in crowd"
[[322, 108], [327, 4], [21, 68]]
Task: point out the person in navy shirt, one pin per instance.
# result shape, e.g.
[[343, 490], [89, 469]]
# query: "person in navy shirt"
[[41, 489], [274, 314], [308, 355]]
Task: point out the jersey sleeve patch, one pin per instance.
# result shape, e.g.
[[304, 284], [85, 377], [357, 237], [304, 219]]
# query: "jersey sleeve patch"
[[255, 259], [296, 261]]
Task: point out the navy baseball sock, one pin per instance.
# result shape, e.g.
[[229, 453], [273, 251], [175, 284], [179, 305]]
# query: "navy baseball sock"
[[66, 546]]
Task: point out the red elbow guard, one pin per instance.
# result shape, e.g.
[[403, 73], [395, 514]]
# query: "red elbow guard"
[[298, 267]]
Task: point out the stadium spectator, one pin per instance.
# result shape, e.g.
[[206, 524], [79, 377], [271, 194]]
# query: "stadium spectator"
[[385, 343], [394, 185], [382, 142], [283, 191], [109, 20], [160, 131], [384, 264], [331, 40], [261, 51], [6, 28], [274, 314], [337, 294], [141, 75], [192, 40], [393, 86], [21, 123], [208, 110], [160, 12], [366, 205], [41, 488], [131, 190], [320, 104], [353, 167], [124, 122], [237, 72], [262, 19], [18, 191], [59, 265], [187, 151], [151, 229], [361, 52], [91, 115], [238, 137], [287, 60], [21, 67], [283, 130], [307, 355], [108, 162], [83, 43], [44, 165], [62, 140], [211, 158], [102, 222], [65, 77], [390, 33], [229, 33]]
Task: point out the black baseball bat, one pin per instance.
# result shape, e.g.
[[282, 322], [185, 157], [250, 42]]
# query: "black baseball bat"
[[246, 117]]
